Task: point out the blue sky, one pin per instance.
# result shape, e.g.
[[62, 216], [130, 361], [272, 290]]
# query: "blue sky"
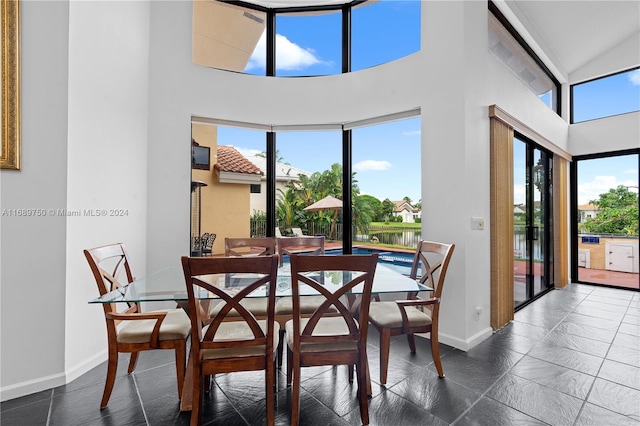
[[387, 157]]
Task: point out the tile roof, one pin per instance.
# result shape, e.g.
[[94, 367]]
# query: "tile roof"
[[231, 161], [403, 205]]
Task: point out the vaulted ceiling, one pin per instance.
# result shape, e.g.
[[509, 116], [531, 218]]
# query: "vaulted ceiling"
[[573, 33]]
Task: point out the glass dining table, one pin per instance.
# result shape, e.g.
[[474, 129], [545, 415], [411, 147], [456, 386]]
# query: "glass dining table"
[[168, 284]]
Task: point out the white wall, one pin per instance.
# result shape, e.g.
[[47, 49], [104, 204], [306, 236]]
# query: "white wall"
[[33, 248], [605, 134], [107, 167]]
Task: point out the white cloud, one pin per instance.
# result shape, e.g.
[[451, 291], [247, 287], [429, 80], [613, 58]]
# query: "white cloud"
[[412, 133], [289, 56], [247, 152], [519, 194], [588, 191], [634, 77], [375, 165]]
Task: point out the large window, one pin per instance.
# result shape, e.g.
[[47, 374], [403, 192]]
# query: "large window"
[[308, 45], [606, 96], [309, 41], [605, 196], [384, 31]]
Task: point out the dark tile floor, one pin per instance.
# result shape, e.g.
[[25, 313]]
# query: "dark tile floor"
[[570, 358]]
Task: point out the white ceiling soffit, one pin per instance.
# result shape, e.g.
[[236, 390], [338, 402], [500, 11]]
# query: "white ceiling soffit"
[[318, 127], [283, 4], [571, 33]]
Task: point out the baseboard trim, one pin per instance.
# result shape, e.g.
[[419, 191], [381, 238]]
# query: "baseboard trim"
[[31, 386], [465, 345], [80, 369], [48, 382]]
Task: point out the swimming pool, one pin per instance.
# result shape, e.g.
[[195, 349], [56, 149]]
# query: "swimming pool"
[[400, 262]]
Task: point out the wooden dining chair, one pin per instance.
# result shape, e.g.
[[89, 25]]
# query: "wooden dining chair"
[[132, 330], [309, 246], [259, 246], [244, 344], [243, 247], [414, 315], [330, 340], [300, 245]]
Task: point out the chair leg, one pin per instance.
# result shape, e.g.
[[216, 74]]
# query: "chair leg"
[[295, 392], [281, 346], [181, 358], [412, 342], [112, 368], [133, 360], [196, 408], [270, 392], [435, 353], [385, 344], [363, 397], [289, 366]]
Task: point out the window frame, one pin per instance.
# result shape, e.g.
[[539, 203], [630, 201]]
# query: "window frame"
[[571, 98], [493, 9]]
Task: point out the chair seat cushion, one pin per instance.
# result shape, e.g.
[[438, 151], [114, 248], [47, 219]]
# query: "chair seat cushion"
[[329, 326], [256, 305], [308, 305], [387, 314], [239, 330], [176, 325]]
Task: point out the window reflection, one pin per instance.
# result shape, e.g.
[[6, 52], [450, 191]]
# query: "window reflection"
[[308, 43], [226, 36]]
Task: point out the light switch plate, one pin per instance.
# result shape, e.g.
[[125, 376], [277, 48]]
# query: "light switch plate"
[[477, 223]]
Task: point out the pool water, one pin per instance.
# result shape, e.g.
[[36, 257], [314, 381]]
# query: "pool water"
[[400, 262]]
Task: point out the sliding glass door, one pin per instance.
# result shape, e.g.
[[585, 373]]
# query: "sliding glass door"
[[532, 221], [606, 204]]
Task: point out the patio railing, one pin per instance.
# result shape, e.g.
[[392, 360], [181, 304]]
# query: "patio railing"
[[395, 235]]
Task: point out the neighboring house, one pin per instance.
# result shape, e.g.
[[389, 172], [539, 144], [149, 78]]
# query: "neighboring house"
[[405, 210], [285, 173], [223, 196], [587, 211]]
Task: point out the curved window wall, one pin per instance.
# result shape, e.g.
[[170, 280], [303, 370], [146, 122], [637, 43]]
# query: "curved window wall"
[[377, 163], [308, 41]]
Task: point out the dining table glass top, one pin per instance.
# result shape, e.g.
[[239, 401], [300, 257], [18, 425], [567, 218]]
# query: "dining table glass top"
[[169, 284]]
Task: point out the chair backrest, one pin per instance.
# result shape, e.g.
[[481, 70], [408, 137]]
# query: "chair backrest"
[[111, 270], [297, 232], [300, 245], [211, 238], [263, 246], [350, 271], [432, 258], [231, 279]]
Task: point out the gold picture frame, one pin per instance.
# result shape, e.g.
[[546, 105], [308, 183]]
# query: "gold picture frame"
[[10, 143]]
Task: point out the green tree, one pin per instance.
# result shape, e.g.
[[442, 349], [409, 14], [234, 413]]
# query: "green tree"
[[387, 209], [618, 213], [375, 205]]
